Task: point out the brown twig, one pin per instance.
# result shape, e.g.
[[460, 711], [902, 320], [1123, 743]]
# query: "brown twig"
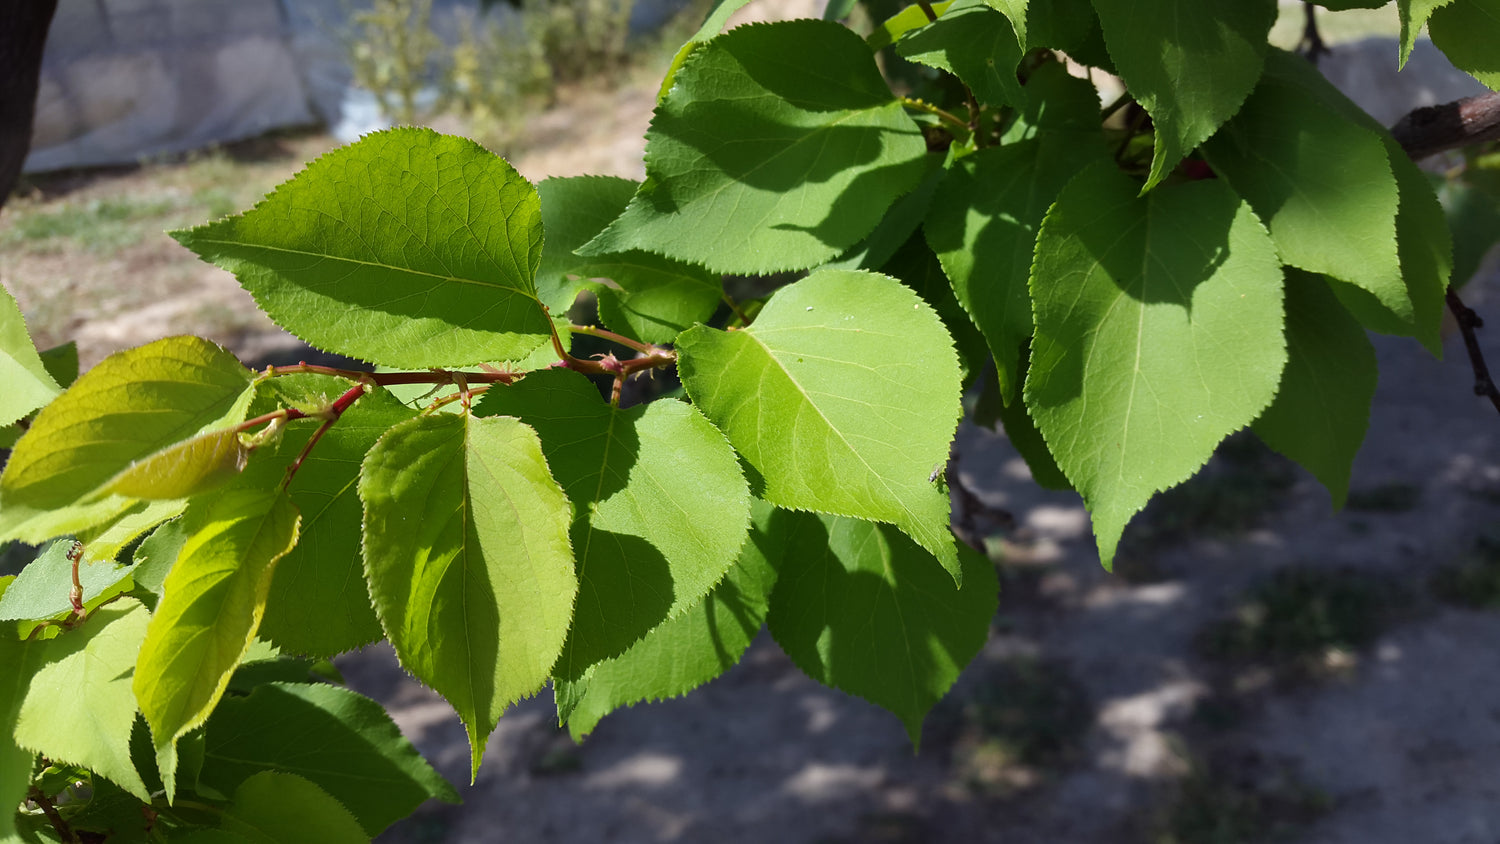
[[1433, 129], [64, 831], [1311, 45], [1467, 321]]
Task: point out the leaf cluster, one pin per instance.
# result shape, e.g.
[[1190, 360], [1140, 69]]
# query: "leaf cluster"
[[1124, 287]]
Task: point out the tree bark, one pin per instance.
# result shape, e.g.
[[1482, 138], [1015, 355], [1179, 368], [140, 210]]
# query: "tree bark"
[[23, 34], [1434, 129]]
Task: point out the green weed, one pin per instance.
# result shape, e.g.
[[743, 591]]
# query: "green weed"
[[1474, 580], [1217, 803], [1302, 616], [1026, 718]]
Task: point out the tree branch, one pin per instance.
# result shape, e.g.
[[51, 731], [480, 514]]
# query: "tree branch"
[[1434, 129], [1467, 321]]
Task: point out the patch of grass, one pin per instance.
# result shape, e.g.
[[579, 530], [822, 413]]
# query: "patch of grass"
[[1025, 719], [99, 225], [1474, 580], [1238, 804], [1244, 481], [1395, 497], [1301, 617]]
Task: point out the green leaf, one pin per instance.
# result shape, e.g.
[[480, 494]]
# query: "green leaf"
[[985, 217], [1190, 64], [975, 43], [41, 590], [1015, 11], [893, 231], [21, 661], [407, 248], [343, 742], [1068, 25], [154, 559], [1322, 184], [1467, 31], [904, 21], [273, 807], [1020, 430], [917, 268], [189, 468], [778, 147], [80, 707], [212, 604], [1471, 202], [61, 362], [1423, 241], [318, 604], [1321, 412], [662, 508], [467, 558], [1414, 15], [843, 395], [131, 406], [652, 299], [1158, 333], [684, 653], [860, 608], [28, 385], [107, 540]]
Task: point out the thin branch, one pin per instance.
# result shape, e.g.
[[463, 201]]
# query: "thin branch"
[[595, 331], [1433, 129], [1467, 321], [1311, 46], [945, 116], [927, 10], [64, 831]]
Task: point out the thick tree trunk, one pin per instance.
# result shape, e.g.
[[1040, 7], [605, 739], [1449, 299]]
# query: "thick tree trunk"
[[23, 33]]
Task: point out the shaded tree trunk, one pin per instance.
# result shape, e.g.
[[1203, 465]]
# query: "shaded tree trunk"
[[23, 33]]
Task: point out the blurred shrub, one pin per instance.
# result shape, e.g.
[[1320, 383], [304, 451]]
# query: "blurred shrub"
[[498, 63]]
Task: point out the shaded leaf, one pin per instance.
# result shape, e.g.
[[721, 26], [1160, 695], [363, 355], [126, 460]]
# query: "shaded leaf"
[[1321, 183], [343, 742], [986, 214], [661, 506], [687, 651], [318, 604], [977, 44], [272, 807], [407, 248], [212, 603], [1322, 409], [861, 608], [1158, 333], [843, 395], [467, 558], [651, 299], [778, 147], [1190, 64]]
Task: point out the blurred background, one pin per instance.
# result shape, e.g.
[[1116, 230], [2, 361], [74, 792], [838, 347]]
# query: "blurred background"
[[1258, 668]]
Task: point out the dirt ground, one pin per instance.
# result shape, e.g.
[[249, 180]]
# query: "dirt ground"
[[1260, 668]]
